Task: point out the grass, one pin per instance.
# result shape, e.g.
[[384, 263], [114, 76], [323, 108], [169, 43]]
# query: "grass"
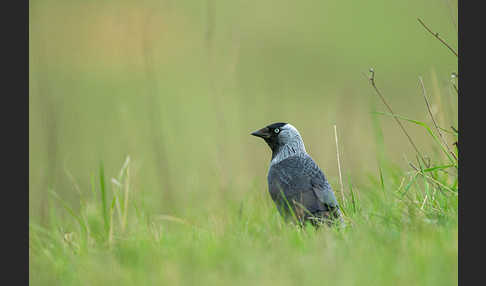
[[405, 236], [402, 230], [142, 170]]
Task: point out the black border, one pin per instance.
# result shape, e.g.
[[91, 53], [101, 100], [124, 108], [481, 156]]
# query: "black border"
[[471, 122], [15, 134]]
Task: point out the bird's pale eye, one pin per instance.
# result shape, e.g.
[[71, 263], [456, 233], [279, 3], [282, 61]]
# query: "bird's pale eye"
[[276, 130]]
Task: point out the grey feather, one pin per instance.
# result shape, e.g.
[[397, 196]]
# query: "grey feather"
[[298, 176], [295, 182]]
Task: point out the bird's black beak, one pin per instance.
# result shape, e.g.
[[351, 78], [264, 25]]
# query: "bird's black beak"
[[263, 133]]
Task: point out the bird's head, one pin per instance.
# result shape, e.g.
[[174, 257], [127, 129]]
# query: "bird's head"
[[283, 138]]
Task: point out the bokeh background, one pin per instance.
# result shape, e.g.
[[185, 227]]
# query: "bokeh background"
[[179, 85]]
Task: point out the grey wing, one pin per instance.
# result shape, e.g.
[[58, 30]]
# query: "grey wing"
[[296, 176], [299, 179], [323, 191], [321, 187]]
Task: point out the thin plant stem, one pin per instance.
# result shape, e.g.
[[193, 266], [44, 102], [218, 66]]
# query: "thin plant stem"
[[373, 84], [339, 164], [436, 35], [424, 93]]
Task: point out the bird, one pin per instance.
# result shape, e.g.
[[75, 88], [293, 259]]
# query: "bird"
[[296, 184]]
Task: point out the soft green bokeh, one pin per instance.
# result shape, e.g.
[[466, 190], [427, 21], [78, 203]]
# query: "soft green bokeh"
[[179, 85]]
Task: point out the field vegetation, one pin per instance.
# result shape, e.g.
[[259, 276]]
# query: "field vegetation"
[[142, 169]]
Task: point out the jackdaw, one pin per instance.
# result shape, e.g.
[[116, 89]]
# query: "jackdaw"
[[295, 182]]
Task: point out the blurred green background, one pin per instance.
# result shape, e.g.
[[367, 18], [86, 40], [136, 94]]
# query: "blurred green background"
[[179, 85]]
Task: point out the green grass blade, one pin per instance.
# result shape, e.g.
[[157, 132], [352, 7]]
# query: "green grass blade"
[[69, 210], [382, 182], [103, 198], [438, 168], [288, 205]]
